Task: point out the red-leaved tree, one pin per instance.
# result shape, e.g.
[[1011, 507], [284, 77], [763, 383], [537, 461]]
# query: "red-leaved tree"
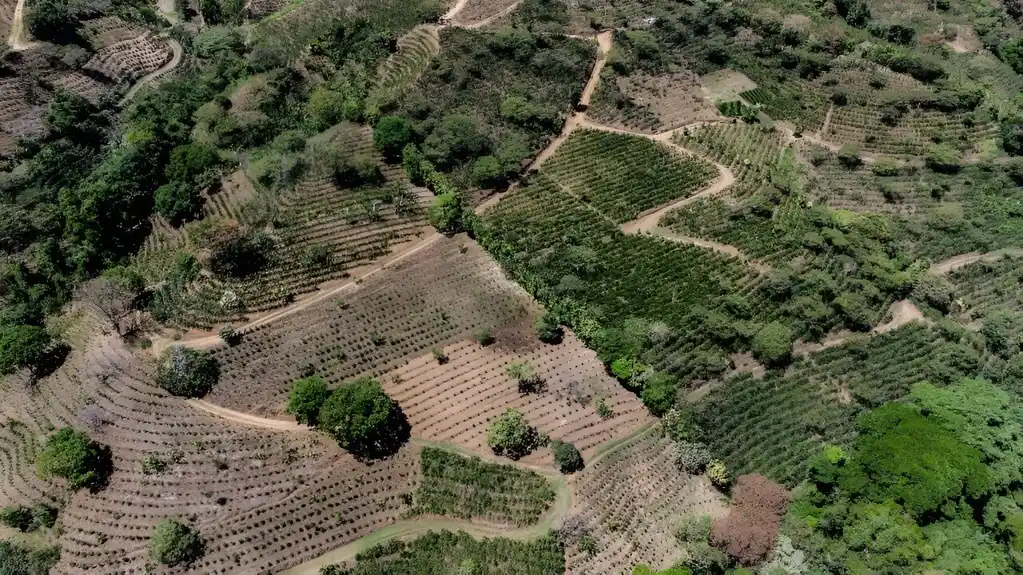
[[751, 527]]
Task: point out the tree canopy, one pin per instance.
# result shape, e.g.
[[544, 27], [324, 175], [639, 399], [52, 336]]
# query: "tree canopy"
[[363, 419], [307, 398], [72, 455], [187, 372], [510, 435], [175, 543]]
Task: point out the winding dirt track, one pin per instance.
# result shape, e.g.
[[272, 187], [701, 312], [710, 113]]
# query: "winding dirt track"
[[155, 75], [17, 39], [963, 260]]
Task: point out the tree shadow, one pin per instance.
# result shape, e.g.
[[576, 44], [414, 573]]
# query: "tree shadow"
[[50, 361], [397, 433]]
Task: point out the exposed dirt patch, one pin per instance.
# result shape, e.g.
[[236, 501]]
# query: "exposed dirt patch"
[[656, 103], [963, 260], [725, 85], [966, 41]]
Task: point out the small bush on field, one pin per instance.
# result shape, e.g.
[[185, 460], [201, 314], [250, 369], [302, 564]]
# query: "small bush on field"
[[885, 167], [484, 337], [175, 543], [439, 355], [229, 335], [511, 435], [659, 393], [548, 329], [718, 474], [604, 410], [942, 158], [566, 456], [446, 213], [679, 426], [71, 455], [307, 399], [187, 372], [364, 420]]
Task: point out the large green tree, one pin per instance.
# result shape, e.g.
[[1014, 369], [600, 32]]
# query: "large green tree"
[[307, 399], [71, 455], [174, 543], [363, 419]]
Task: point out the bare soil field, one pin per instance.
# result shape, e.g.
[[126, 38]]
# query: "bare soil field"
[[661, 103], [439, 296], [632, 501], [476, 13], [246, 489], [453, 401], [725, 85]]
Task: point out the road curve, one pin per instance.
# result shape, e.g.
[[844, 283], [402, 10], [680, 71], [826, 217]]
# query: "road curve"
[[154, 75]]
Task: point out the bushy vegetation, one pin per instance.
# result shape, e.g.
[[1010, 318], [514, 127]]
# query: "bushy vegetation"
[[307, 399], [175, 543], [566, 456], [510, 435], [71, 455], [187, 372], [458, 486], [441, 551], [363, 419], [16, 559], [912, 487]]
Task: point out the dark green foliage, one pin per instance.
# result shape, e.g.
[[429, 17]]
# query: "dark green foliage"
[[566, 456], [548, 329], [178, 202], [71, 455], [26, 519], [187, 372], [1010, 131], [52, 21], [16, 559], [510, 435], [175, 543], [457, 486], [307, 399], [446, 552], [364, 420], [22, 346], [241, 255], [390, 136], [901, 60], [943, 158]]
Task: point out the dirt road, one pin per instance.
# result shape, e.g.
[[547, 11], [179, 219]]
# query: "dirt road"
[[18, 39], [154, 75], [247, 419], [963, 260]]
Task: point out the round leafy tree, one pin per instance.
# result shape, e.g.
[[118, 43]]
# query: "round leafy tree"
[[566, 456], [548, 329], [175, 543], [511, 435], [446, 213], [22, 346], [390, 135], [773, 344], [71, 455], [307, 398], [363, 419], [187, 372]]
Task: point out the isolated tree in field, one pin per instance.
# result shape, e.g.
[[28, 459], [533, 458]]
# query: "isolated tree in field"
[[187, 372], [772, 345], [749, 530], [390, 136], [71, 455], [942, 158], [363, 419], [175, 543], [511, 435], [548, 328], [115, 294], [22, 346], [307, 399], [566, 456]]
